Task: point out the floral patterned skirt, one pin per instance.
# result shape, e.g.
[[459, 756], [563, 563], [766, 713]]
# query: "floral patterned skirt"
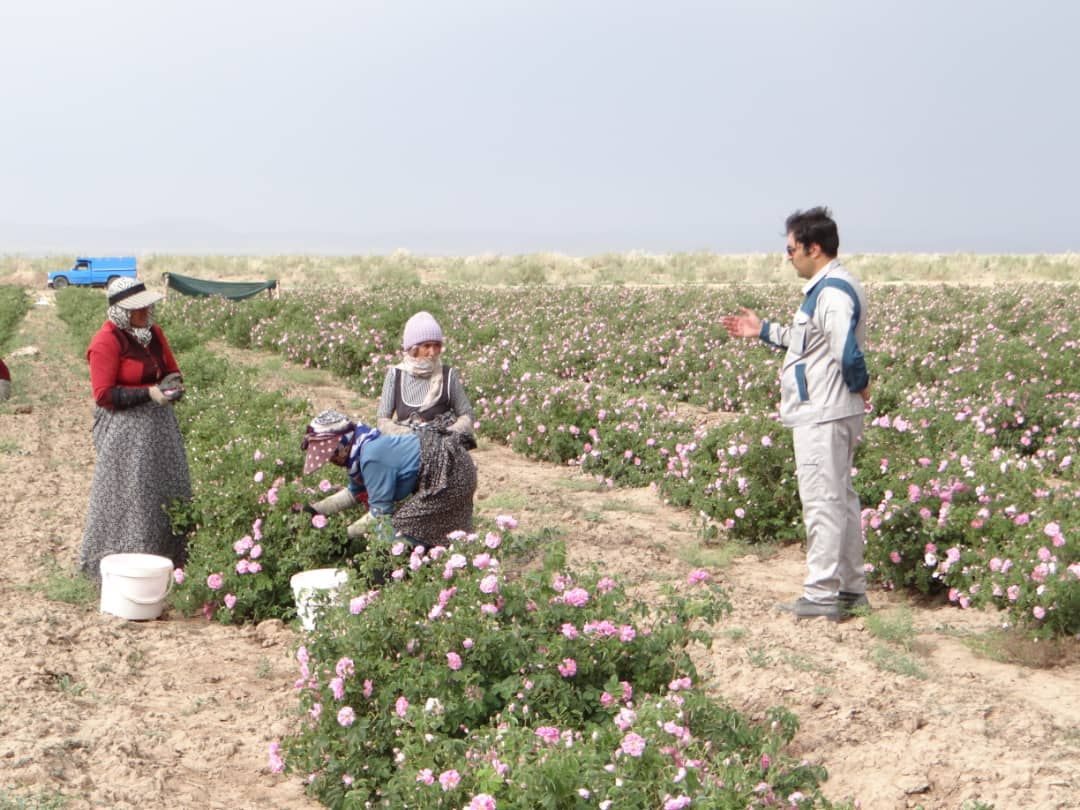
[[443, 501], [141, 468]]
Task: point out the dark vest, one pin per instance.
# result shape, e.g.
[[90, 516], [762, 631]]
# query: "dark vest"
[[402, 412]]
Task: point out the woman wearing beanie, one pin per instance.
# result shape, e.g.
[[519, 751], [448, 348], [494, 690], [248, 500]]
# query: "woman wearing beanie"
[[420, 391]]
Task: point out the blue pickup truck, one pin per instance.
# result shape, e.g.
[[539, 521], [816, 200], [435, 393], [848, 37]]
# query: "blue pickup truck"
[[93, 271]]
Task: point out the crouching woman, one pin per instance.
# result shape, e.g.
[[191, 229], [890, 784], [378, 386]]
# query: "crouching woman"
[[423, 481]]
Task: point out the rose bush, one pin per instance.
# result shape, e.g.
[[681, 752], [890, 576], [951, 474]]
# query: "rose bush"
[[463, 681]]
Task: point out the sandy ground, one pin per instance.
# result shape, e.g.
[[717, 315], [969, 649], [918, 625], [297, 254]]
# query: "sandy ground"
[[178, 713]]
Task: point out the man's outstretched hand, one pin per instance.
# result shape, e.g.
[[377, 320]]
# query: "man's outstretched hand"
[[745, 325]]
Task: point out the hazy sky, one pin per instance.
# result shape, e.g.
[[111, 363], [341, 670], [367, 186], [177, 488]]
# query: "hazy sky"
[[500, 126]]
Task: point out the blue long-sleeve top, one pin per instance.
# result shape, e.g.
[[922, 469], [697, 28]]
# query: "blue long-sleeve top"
[[389, 468]]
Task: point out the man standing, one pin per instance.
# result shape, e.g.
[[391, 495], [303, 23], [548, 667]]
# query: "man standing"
[[824, 389]]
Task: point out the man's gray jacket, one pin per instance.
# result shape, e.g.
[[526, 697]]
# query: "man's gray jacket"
[[824, 369]]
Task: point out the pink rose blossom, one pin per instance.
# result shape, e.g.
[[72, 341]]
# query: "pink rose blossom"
[[576, 597], [568, 668], [346, 716], [605, 585], [401, 706], [178, 576], [633, 744], [453, 660], [425, 777], [449, 779], [214, 582], [318, 521], [230, 600], [697, 576], [337, 688], [276, 763], [548, 734]]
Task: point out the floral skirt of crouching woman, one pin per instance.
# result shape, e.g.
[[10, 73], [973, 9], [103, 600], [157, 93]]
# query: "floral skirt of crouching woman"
[[141, 468], [443, 501]]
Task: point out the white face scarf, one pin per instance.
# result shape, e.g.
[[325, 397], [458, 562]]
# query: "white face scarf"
[[430, 368], [122, 318]]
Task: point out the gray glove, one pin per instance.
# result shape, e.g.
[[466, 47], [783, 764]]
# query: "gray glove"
[[158, 396], [338, 502], [359, 527], [463, 424], [388, 426]]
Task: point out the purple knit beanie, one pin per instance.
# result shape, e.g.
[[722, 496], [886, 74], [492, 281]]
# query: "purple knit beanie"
[[421, 328]]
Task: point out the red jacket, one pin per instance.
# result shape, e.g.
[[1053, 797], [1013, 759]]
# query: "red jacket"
[[118, 360], [4, 373]]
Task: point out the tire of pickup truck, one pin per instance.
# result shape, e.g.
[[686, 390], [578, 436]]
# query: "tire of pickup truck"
[[60, 282]]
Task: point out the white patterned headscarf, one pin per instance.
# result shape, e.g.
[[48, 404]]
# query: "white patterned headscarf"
[[122, 317]]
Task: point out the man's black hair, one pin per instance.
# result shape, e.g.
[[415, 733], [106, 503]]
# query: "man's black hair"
[[815, 226]]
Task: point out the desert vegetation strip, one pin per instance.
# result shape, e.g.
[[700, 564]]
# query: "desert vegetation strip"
[[634, 268]]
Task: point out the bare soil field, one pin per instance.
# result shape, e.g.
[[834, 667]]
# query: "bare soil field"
[[178, 712]]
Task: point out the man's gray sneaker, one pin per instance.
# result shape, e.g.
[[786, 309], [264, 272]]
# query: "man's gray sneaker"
[[853, 601], [803, 608]]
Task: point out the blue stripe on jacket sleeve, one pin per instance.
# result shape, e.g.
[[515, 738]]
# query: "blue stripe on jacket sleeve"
[[763, 333]]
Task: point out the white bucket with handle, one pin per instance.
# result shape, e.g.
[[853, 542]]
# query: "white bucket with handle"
[[315, 589], [134, 586]]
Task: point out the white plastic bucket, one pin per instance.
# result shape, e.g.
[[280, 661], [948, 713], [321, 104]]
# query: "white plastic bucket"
[[134, 586], [314, 589]]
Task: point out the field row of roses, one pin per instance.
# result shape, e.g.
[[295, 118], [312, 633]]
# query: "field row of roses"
[[966, 472], [455, 676], [14, 304]]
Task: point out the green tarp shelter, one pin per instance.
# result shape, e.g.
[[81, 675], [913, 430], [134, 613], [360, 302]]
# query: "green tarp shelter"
[[234, 290]]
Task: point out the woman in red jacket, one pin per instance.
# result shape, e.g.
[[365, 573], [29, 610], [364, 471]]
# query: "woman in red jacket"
[[141, 465]]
